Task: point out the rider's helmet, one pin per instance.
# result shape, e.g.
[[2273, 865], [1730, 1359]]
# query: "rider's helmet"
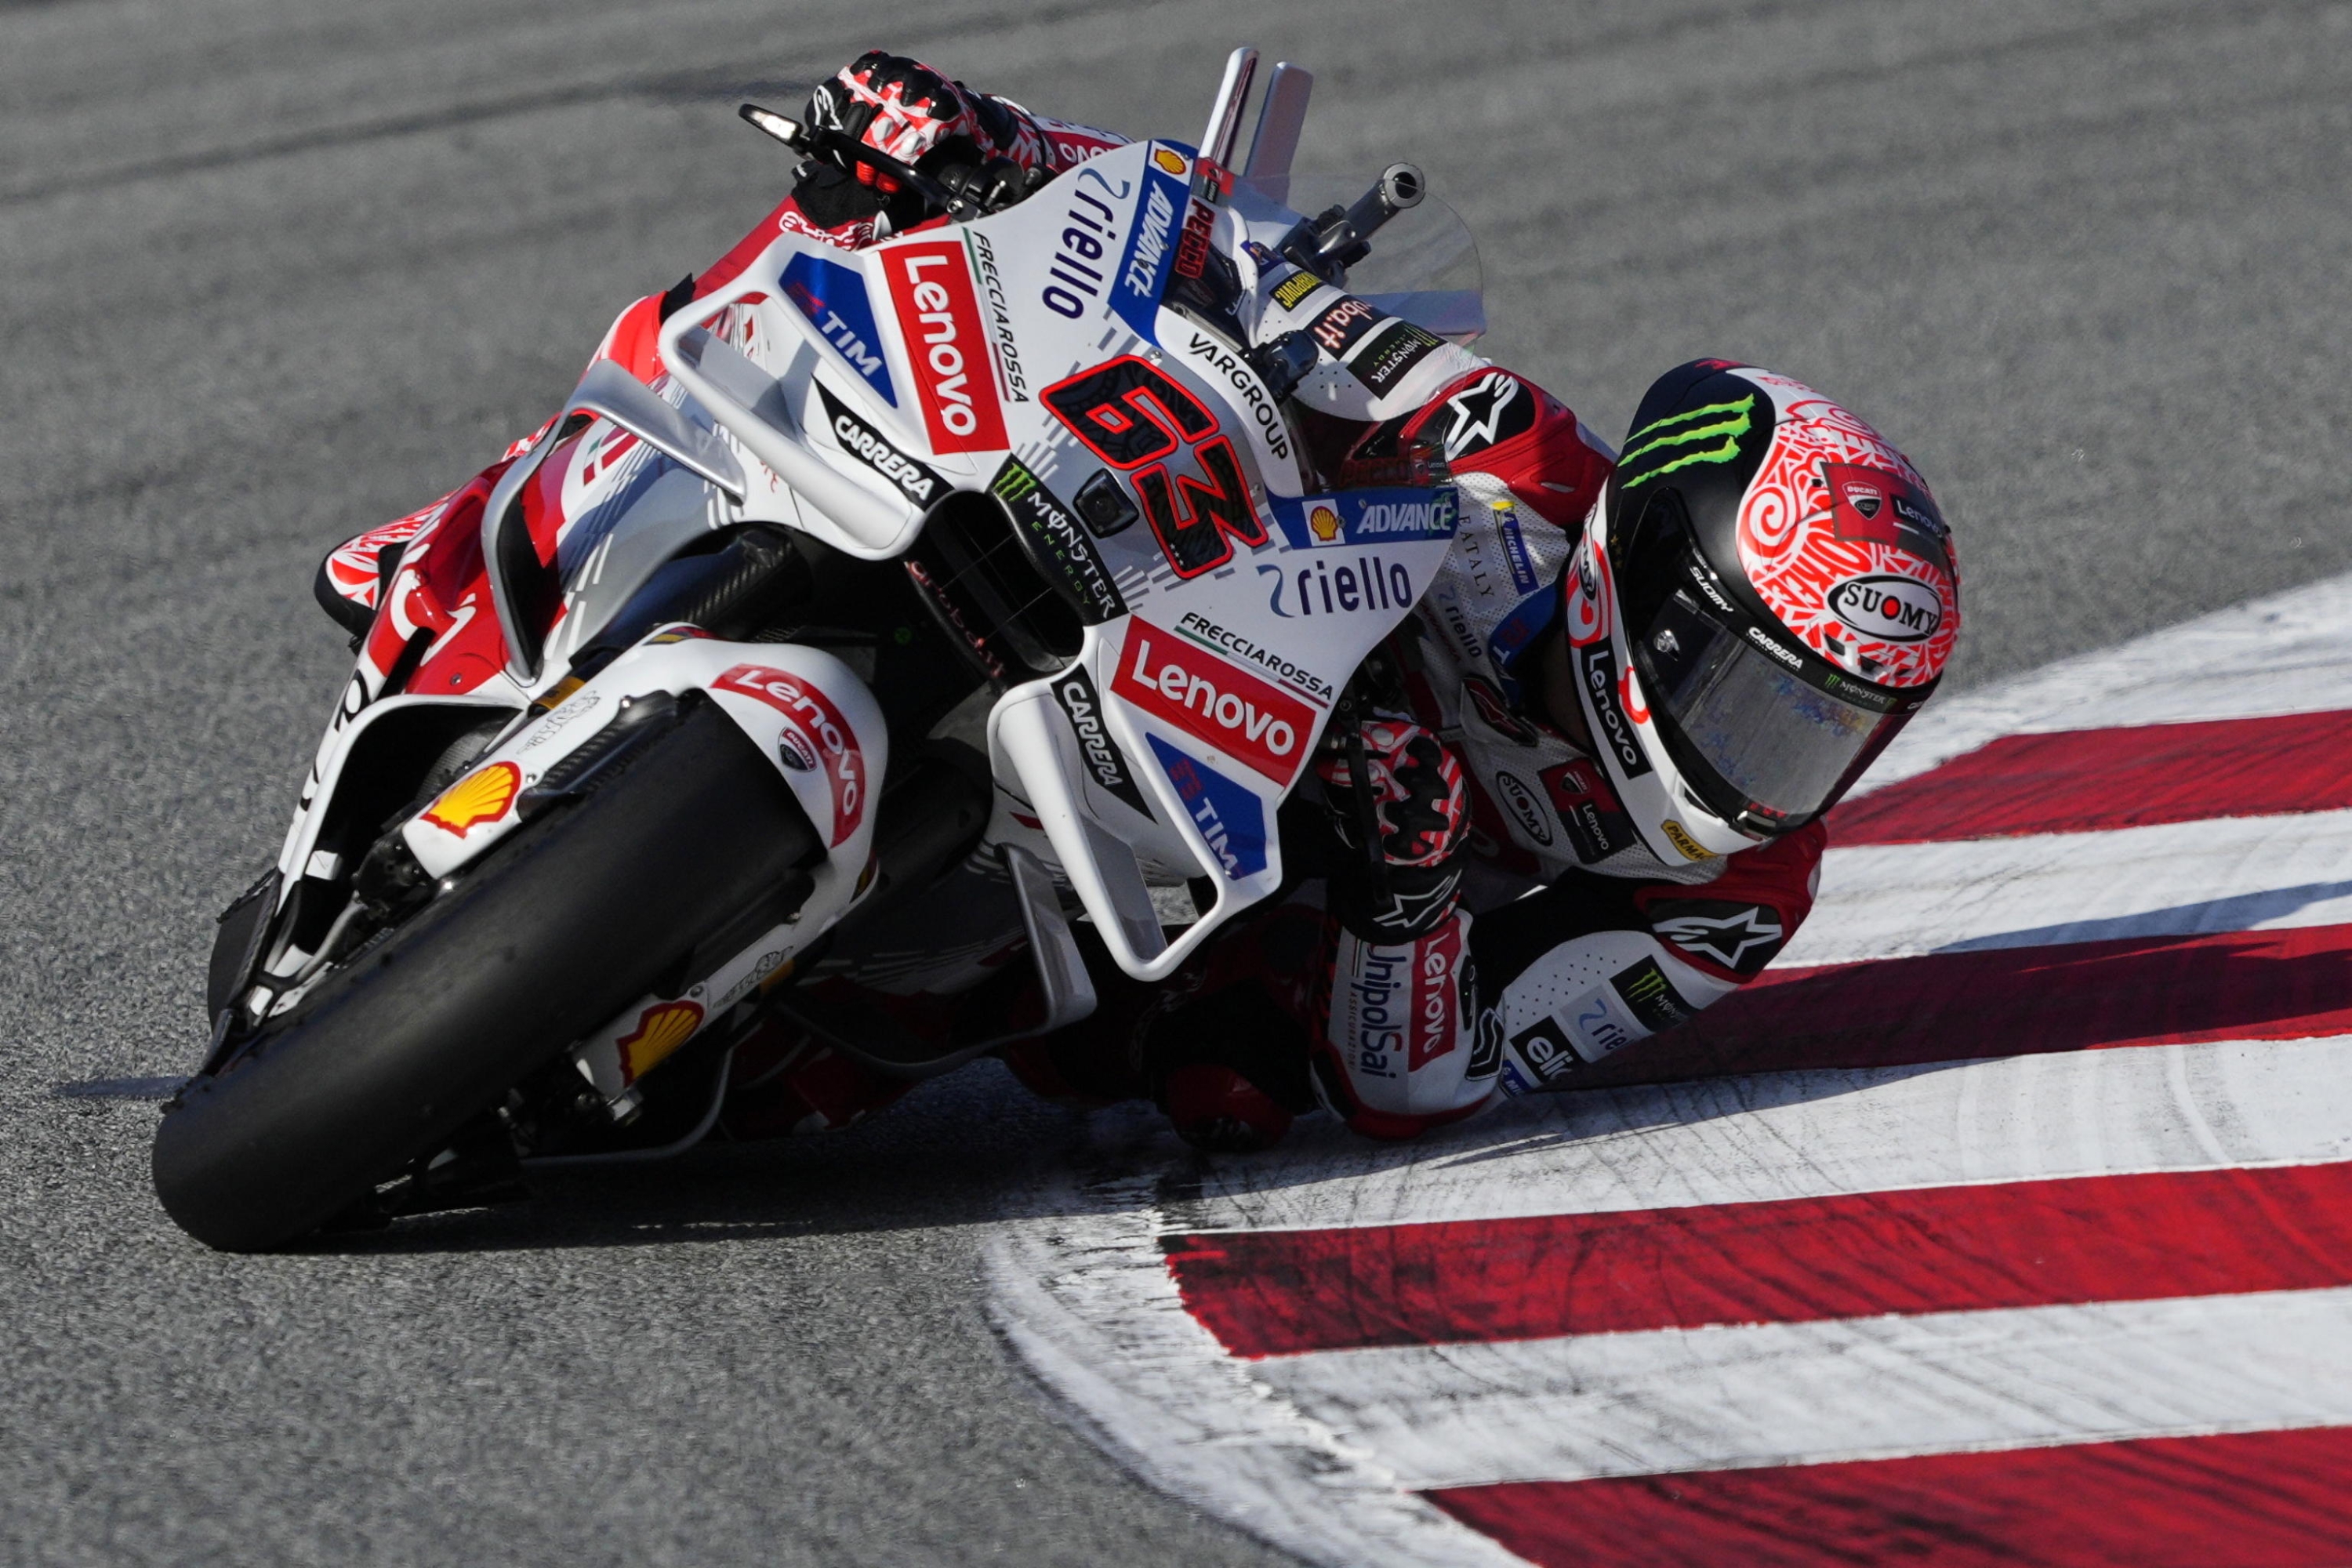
[[1763, 596]]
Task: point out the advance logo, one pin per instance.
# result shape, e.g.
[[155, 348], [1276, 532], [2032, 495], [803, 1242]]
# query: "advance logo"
[[833, 297], [1364, 517], [1150, 255]]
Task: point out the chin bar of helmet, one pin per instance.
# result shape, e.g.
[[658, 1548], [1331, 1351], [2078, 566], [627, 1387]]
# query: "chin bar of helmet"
[[1334, 240], [816, 142]]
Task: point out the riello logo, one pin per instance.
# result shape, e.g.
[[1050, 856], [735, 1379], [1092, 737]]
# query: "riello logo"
[[1255, 722], [938, 315]]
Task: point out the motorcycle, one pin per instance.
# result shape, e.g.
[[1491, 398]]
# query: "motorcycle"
[[647, 719]]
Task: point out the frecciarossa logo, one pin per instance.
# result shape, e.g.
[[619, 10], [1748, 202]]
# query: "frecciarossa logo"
[[811, 718], [1249, 719], [938, 315]]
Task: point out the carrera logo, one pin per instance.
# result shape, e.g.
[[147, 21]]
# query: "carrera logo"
[[1247, 719], [660, 1031], [1074, 691], [820, 727], [475, 799], [1525, 808], [862, 442], [1886, 608], [940, 316]]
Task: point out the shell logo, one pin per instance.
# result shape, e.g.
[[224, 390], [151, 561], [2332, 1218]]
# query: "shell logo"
[[660, 1030], [477, 798], [1170, 163], [1324, 522]]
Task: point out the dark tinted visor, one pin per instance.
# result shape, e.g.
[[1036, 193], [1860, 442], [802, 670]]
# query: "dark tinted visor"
[[1762, 740]]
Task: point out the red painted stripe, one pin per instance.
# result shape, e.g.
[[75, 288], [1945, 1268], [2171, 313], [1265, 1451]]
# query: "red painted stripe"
[[2133, 991], [1939, 1249], [2251, 1499], [2078, 781]]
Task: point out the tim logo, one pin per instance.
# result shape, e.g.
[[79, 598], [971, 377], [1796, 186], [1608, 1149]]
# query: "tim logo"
[[833, 297], [940, 316]]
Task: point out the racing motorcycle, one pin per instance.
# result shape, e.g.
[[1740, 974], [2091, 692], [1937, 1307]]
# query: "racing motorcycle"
[[644, 720]]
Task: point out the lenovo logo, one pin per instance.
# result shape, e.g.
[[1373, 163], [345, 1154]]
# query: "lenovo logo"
[[1247, 719], [940, 317]]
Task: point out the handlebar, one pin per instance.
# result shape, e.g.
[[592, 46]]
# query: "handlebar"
[[1328, 244], [961, 193]]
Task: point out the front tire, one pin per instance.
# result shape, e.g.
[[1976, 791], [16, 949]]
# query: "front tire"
[[574, 918]]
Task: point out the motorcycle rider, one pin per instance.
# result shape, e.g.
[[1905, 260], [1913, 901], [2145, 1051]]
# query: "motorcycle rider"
[[1579, 796]]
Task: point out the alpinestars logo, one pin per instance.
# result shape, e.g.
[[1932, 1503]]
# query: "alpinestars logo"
[[1742, 938], [1486, 413]]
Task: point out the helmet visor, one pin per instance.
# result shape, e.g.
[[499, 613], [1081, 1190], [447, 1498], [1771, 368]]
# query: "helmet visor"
[[1758, 743]]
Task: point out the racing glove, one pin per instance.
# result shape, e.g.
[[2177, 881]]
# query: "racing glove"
[[1396, 800], [907, 110]]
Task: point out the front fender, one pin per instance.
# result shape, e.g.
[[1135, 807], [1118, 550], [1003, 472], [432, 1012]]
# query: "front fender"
[[810, 715]]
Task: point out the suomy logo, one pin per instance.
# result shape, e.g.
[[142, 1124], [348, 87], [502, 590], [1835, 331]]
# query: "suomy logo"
[[1888, 608]]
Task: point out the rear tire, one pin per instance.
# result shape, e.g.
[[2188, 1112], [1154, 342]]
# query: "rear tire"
[[563, 926]]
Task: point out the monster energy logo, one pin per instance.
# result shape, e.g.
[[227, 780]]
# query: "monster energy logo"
[[1673, 442]]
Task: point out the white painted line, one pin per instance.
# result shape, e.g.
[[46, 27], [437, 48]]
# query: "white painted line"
[[1853, 1388], [1810, 1135], [1084, 1295], [2291, 653], [2181, 879]]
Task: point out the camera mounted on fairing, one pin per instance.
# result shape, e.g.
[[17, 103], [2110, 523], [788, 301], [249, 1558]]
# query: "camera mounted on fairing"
[[1765, 595]]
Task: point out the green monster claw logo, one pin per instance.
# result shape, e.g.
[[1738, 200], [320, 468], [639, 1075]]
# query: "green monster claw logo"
[[1665, 445]]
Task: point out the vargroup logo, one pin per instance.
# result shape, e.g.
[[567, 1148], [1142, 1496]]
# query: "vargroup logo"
[[1888, 608], [1250, 720], [940, 316], [833, 297], [820, 727]]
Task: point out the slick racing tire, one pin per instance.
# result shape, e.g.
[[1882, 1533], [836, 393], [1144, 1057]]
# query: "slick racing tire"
[[577, 916]]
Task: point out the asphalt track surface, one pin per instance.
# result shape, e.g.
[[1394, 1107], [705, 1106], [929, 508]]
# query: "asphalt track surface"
[[271, 272]]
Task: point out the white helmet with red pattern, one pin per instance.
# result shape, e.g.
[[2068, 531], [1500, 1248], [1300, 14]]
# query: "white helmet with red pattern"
[[1763, 597]]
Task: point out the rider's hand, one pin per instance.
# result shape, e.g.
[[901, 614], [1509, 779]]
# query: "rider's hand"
[[900, 107], [1402, 823]]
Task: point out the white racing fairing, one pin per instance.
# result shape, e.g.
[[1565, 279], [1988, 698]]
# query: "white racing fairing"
[[1145, 470]]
